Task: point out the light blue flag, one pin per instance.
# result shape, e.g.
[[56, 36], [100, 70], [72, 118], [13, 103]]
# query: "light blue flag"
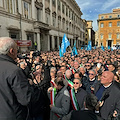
[[60, 52], [108, 47], [65, 44], [111, 49], [89, 47], [74, 50], [102, 47], [81, 48]]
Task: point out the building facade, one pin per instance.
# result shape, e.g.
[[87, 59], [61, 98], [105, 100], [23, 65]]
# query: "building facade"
[[96, 38], [43, 22], [90, 34], [109, 28]]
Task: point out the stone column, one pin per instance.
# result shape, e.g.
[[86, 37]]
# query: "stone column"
[[33, 9], [58, 41], [51, 21], [38, 42], [53, 42], [48, 43], [43, 11]]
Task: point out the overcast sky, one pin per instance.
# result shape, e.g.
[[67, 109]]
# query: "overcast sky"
[[92, 8]]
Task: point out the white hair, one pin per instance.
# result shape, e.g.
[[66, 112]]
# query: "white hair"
[[83, 68], [5, 44], [52, 68], [69, 72]]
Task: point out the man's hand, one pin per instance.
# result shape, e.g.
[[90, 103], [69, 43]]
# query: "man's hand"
[[115, 113], [51, 106], [50, 89], [99, 104]]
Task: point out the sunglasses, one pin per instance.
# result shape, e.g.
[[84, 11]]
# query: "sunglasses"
[[87, 65], [75, 83], [91, 74]]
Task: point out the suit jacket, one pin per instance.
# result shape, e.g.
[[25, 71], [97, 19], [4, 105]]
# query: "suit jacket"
[[84, 115], [111, 102], [80, 96]]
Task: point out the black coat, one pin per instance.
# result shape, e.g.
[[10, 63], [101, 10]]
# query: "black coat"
[[14, 90], [111, 98], [84, 115]]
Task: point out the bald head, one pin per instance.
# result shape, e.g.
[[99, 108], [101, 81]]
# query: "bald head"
[[107, 78]]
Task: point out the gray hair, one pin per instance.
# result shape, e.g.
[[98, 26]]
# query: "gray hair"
[[5, 44], [93, 71], [53, 68], [83, 68], [68, 72]]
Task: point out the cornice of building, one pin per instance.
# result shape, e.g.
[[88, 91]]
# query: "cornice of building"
[[106, 19], [75, 6]]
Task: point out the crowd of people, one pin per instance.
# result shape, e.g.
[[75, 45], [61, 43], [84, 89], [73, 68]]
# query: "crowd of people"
[[42, 86]]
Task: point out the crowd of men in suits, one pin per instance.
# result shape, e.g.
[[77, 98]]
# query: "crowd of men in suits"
[[43, 86]]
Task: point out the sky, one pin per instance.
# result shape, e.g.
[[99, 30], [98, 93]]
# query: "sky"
[[92, 8]]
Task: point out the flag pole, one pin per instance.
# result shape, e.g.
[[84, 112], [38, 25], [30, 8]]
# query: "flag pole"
[[70, 48]]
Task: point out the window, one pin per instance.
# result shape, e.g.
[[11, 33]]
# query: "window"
[[59, 5], [54, 21], [118, 35], [62, 8], [10, 5], [1, 3], [110, 24], [118, 23], [118, 16], [102, 17], [47, 18], [53, 2], [63, 25], [110, 16], [72, 15], [110, 36], [101, 25], [69, 13], [48, 0], [39, 14], [27, 12], [14, 34], [101, 36], [66, 12]]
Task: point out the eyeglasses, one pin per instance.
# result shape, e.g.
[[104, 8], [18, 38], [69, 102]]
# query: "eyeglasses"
[[87, 65], [75, 83], [91, 74]]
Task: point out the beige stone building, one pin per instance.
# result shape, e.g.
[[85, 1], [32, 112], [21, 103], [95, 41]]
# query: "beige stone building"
[[96, 38], [109, 28], [42, 21]]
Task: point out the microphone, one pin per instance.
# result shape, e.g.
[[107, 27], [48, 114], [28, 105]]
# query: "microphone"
[[105, 96]]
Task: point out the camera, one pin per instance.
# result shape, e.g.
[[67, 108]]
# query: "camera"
[[36, 53], [24, 56]]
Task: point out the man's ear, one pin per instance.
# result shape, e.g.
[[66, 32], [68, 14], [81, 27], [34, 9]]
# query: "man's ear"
[[81, 85], [11, 51]]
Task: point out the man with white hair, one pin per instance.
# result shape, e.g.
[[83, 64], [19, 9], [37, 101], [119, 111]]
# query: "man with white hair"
[[14, 90]]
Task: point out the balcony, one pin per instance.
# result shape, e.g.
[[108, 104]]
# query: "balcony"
[[41, 25]]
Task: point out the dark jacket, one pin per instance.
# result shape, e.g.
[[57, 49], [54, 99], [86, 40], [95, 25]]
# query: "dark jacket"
[[111, 98], [14, 90], [80, 96], [84, 115]]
